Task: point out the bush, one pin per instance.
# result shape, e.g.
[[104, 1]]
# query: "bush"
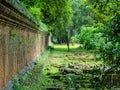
[[90, 37], [111, 52]]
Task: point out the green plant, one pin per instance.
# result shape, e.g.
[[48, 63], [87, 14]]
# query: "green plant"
[[16, 84], [70, 82], [90, 37], [111, 52], [12, 33]]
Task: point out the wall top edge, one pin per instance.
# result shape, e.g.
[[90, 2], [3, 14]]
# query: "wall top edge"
[[16, 7]]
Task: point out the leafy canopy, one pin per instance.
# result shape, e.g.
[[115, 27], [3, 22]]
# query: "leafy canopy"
[[56, 14]]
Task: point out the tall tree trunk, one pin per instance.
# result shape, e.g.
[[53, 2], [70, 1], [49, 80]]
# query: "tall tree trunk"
[[59, 40], [67, 41]]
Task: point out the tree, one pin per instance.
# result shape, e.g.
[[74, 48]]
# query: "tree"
[[81, 15], [105, 17], [56, 14]]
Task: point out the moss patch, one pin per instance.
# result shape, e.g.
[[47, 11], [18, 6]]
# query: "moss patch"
[[62, 70]]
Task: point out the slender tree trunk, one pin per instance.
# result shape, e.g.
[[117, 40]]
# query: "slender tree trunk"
[[59, 40], [67, 41]]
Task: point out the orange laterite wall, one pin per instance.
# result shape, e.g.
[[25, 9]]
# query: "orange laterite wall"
[[18, 46]]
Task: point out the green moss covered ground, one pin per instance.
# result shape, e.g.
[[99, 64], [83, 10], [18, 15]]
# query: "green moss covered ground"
[[59, 69]]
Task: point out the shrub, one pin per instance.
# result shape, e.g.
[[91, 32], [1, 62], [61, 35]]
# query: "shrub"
[[90, 37]]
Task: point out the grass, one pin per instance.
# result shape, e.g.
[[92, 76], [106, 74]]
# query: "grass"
[[35, 79], [62, 49], [50, 64]]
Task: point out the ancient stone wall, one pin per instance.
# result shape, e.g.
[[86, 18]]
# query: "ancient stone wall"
[[20, 40]]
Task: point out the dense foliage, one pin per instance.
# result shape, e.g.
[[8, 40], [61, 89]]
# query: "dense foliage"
[[81, 14], [90, 37], [103, 29], [55, 14], [95, 23]]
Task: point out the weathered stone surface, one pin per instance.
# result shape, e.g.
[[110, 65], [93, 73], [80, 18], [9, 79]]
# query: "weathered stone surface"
[[71, 65], [20, 41], [22, 73]]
